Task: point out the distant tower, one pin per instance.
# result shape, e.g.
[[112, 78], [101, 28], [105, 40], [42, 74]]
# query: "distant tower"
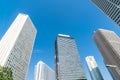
[[111, 8], [109, 45], [43, 72], [67, 60], [93, 68], [16, 46]]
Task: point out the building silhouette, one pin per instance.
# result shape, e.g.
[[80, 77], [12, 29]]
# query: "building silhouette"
[[67, 61], [93, 68], [16, 46], [111, 8], [109, 45]]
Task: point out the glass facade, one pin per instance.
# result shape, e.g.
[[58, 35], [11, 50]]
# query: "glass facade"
[[93, 68], [67, 60]]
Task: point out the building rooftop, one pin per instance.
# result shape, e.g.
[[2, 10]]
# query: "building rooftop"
[[42, 63], [105, 30], [23, 14], [63, 35]]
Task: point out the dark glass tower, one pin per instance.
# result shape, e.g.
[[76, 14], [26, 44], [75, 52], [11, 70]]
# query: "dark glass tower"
[[109, 45], [111, 8], [67, 60]]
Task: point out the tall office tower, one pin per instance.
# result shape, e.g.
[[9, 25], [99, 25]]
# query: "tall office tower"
[[93, 68], [43, 72], [109, 45], [16, 46], [67, 60], [111, 8]]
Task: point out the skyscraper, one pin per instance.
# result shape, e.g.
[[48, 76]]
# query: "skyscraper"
[[67, 60], [93, 68], [16, 46], [43, 72], [111, 8], [109, 45]]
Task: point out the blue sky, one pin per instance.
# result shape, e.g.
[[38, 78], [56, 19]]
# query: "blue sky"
[[78, 18]]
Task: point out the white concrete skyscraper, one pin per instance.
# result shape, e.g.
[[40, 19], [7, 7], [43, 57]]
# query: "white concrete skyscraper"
[[43, 72], [111, 8], [93, 68], [16, 46], [108, 42], [67, 59]]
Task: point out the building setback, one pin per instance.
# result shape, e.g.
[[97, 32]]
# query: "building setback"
[[16, 46], [67, 61], [43, 72], [111, 8], [93, 68], [109, 45]]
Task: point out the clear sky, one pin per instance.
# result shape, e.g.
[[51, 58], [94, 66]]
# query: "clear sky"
[[78, 18]]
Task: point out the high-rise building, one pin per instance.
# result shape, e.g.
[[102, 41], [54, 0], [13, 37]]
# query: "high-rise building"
[[16, 46], [67, 60], [93, 68], [43, 72], [109, 45], [111, 8]]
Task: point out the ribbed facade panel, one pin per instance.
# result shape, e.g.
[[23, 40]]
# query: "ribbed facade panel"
[[111, 8], [109, 45], [67, 60], [16, 46]]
